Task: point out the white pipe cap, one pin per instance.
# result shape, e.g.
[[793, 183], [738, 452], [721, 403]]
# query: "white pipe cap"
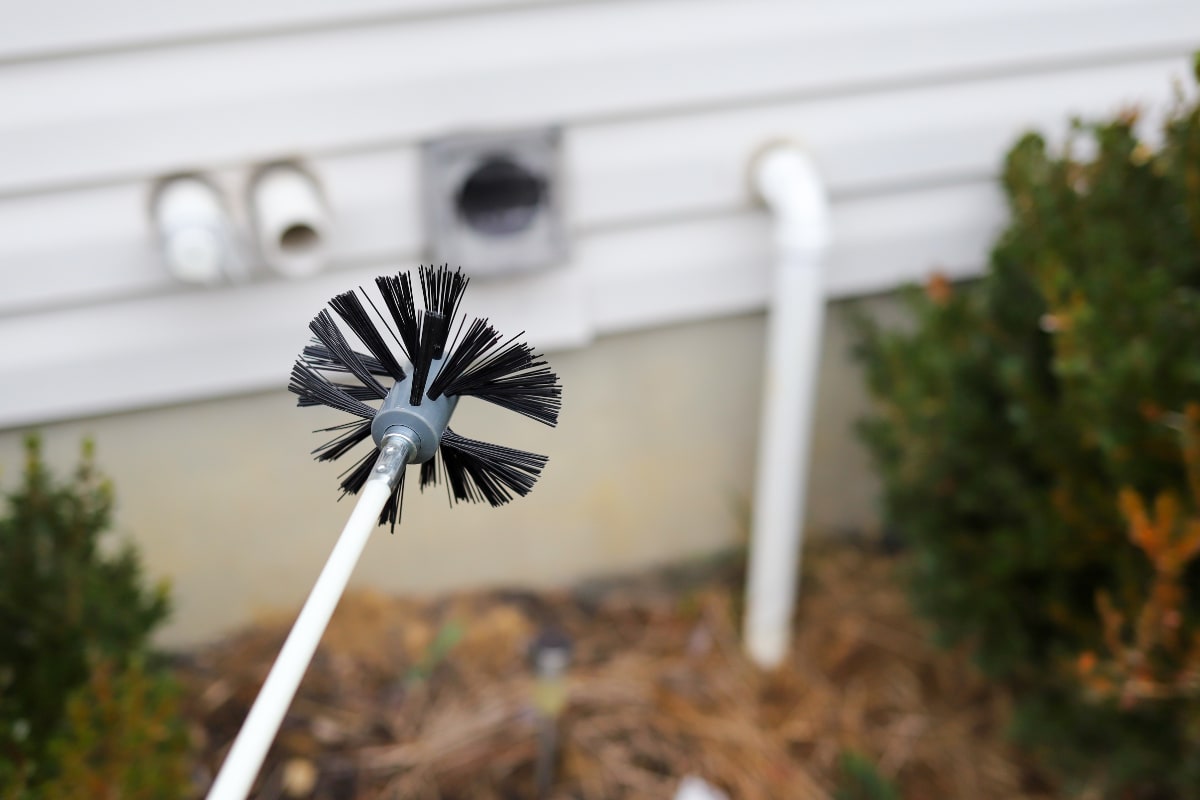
[[194, 231]]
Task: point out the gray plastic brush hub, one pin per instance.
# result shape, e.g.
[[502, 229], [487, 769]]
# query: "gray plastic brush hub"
[[427, 421]]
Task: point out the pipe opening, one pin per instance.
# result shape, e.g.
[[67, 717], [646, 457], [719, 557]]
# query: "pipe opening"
[[299, 238], [500, 197]]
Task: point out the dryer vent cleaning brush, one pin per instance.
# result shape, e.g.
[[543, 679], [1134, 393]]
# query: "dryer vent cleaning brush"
[[448, 358]]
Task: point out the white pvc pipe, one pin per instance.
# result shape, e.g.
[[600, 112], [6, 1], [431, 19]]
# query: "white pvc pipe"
[[262, 723], [194, 231], [788, 182], [290, 220]]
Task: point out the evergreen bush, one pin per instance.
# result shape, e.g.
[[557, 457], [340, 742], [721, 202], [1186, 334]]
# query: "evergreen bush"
[[1038, 435], [75, 618], [122, 738]]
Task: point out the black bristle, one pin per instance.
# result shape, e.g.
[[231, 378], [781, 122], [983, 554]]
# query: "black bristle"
[[397, 295], [339, 446], [314, 388], [429, 472], [441, 293], [509, 375], [390, 515], [354, 391], [438, 332], [355, 476], [466, 349], [327, 331], [478, 471], [431, 327], [442, 290], [319, 357], [350, 308]]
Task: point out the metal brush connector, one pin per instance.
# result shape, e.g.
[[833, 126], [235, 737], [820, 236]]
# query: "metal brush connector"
[[395, 451], [422, 425]]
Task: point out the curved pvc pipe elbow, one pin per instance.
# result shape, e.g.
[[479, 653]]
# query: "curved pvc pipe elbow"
[[786, 179], [291, 221]]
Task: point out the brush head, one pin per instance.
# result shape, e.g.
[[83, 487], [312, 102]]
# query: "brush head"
[[475, 362]]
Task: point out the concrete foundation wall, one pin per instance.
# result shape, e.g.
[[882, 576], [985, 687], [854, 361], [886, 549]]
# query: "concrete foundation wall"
[[652, 462]]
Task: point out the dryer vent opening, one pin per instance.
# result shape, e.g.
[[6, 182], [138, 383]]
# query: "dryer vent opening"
[[500, 197], [492, 200]]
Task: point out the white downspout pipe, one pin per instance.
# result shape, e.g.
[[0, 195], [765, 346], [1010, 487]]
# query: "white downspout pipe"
[[786, 179]]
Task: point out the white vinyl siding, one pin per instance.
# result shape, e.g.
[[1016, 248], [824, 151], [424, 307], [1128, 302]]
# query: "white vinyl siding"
[[907, 108]]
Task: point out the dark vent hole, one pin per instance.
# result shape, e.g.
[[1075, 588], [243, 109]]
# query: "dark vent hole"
[[500, 197]]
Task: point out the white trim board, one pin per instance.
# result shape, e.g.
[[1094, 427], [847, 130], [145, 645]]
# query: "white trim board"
[[90, 246], [194, 345], [316, 92]]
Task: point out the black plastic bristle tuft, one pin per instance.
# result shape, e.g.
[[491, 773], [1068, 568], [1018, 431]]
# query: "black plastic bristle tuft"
[[390, 515], [509, 375], [476, 363], [477, 471], [424, 359], [442, 290], [441, 293], [350, 308], [339, 446], [356, 392], [466, 349], [429, 472], [320, 357], [355, 476], [314, 388], [397, 295], [327, 331]]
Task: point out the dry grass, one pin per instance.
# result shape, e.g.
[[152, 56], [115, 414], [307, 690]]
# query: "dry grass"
[[658, 689]]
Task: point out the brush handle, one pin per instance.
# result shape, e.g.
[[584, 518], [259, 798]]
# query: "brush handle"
[[262, 723]]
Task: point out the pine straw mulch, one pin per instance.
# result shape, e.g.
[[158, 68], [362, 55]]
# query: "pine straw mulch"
[[658, 689]]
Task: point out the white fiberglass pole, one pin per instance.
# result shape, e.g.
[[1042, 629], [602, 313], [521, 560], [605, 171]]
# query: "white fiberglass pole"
[[788, 181], [262, 723]]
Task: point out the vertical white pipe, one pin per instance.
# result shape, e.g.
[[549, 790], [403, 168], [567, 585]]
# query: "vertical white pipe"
[[258, 731], [788, 182]]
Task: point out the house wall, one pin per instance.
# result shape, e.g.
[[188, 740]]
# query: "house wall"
[[654, 320], [652, 462]]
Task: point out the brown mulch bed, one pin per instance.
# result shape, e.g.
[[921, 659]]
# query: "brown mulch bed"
[[433, 698]]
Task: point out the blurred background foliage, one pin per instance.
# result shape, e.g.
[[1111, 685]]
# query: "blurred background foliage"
[[1038, 434], [85, 707]]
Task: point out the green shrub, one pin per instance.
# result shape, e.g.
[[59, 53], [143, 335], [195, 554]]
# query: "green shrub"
[[1024, 424], [67, 605]]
